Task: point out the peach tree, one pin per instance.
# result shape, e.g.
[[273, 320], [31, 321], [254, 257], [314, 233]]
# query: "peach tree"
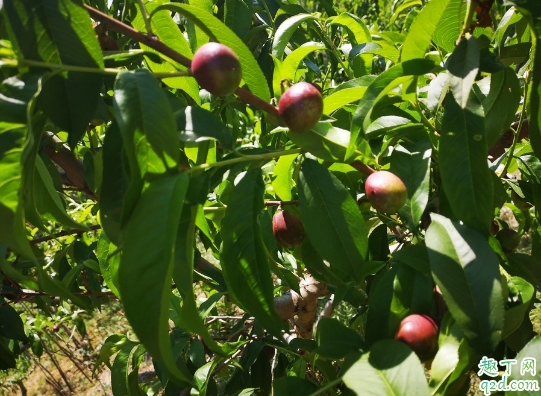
[[379, 156]]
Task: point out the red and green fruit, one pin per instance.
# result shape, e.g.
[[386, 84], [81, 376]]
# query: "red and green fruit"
[[301, 107], [420, 333], [509, 239], [217, 69], [386, 192], [288, 229]]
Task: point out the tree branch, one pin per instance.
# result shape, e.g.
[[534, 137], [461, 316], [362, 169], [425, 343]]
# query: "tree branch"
[[157, 45]]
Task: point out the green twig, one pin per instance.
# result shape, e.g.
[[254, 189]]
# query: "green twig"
[[470, 10], [257, 157], [327, 386], [108, 71], [146, 17], [516, 133]]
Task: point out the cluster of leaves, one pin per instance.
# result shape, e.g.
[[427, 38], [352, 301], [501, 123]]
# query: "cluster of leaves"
[[426, 91]]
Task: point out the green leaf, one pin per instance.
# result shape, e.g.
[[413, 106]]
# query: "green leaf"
[[208, 23], [148, 130], [390, 369], [15, 94], [11, 324], [285, 31], [339, 99], [466, 269], [525, 266], [416, 256], [332, 220], [7, 359], [238, 16], [463, 66], [453, 362], [108, 265], [411, 163], [501, 103], [12, 232], [379, 88], [534, 99], [530, 351], [283, 181], [244, 261], [144, 274], [183, 277], [196, 124], [114, 184], [168, 33], [293, 386], [47, 198], [288, 68], [119, 371], [335, 340], [65, 37], [463, 164], [400, 292], [522, 299], [423, 29], [359, 33], [450, 24], [330, 143]]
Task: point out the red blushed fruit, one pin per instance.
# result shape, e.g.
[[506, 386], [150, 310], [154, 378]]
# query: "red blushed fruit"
[[217, 69], [420, 333], [288, 230], [301, 107], [386, 192], [509, 239], [56, 328]]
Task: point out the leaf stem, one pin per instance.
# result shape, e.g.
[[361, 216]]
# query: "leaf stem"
[[469, 17], [257, 157], [108, 71], [146, 17], [327, 386], [516, 133]]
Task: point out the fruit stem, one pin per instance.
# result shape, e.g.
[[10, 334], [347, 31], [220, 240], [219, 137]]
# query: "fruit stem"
[[364, 169], [257, 157]]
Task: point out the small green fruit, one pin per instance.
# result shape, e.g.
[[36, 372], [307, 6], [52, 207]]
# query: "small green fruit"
[[509, 239], [420, 333], [386, 192], [217, 69], [301, 107], [287, 229]]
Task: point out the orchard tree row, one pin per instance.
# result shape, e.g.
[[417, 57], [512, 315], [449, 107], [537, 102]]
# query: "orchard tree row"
[[295, 198]]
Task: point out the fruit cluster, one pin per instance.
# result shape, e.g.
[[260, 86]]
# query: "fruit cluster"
[[217, 69]]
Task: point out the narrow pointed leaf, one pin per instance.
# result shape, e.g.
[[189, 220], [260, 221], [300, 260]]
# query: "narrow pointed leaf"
[[244, 261], [146, 267], [463, 164], [390, 369], [466, 269], [332, 220], [463, 66]]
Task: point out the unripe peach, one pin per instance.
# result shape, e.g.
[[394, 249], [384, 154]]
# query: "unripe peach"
[[420, 333], [520, 202], [217, 69], [386, 192], [301, 107], [509, 239], [288, 229]]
